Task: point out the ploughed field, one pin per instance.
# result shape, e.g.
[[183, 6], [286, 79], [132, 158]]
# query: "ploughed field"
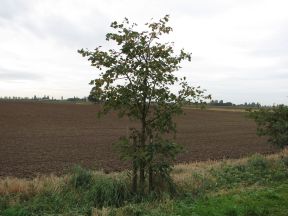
[[43, 138]]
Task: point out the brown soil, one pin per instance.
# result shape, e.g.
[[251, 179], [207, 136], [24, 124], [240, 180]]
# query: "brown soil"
[[43, 138]]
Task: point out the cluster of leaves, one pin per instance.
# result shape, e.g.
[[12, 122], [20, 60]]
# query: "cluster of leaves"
[[273, 123], [137, 81]]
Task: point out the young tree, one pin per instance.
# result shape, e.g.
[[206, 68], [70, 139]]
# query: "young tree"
[[136, 81], [272, 122]]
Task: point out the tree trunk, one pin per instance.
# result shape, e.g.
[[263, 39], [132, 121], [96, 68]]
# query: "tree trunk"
[[135, 167], [143, 137], [142, 178], [151, 186], [150, 170], [142, 160]]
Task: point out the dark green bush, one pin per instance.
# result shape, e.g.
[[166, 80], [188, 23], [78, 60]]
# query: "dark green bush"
[[254, 211], [284, 159], [107, 191], [272, 123], [231, 212], [258, 162], [3, 202], [15, 211], [47, 201], [81, 178], [258, 170]]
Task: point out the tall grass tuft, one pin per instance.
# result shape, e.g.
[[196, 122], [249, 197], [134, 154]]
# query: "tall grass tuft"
[[107, 191], [284, 160], [100, 190], [81, 178]]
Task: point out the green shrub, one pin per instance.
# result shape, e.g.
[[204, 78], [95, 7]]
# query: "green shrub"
[[258, 170], [284, 159], [198, 185], [3, 202], [107, 191], [47, 201], [81, 178], [258, 162], [272, 122], [254, 211], [230, 175], [15, 211], [231, 212]]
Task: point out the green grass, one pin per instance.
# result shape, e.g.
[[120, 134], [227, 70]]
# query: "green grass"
[[83, 191], [256, 186], [270, 201]]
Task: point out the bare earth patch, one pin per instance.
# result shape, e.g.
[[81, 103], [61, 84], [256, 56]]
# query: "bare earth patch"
[[44, 138]]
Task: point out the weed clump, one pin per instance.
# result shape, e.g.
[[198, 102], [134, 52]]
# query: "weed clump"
[[258, 162], [231, 212], [284, 160], [106, 191], [81, 178]]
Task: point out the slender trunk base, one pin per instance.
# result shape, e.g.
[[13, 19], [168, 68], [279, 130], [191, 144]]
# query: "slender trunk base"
[[134, 179], [135, 167], [151, 186], [142, 178]]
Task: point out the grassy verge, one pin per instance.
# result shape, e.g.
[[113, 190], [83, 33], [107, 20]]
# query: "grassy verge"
[[270, 200], [252, 186]]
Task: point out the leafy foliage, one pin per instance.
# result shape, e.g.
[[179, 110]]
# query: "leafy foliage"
[[272, 123], [136, 80]]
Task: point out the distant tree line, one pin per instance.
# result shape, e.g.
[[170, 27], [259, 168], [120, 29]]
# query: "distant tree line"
[[77, 99], [253, 104], [94, 99], [43, 98], [222, 103]]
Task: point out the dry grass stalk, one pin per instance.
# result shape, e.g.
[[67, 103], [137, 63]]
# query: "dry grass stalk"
[[11, 185], [185, 170]]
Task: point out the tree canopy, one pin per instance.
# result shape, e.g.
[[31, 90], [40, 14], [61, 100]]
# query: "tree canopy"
[[136, 80], [272, 122]]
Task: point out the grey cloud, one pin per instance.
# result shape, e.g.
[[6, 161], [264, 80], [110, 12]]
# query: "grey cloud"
[[277, 47], [277, 72], [64, 31], [15, 75], [260, 73], [274, 46], [10, 9], [204, 8], [19, 14], [70, 34]]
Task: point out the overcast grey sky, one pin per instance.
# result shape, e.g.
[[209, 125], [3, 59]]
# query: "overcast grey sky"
[[239, 47]]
